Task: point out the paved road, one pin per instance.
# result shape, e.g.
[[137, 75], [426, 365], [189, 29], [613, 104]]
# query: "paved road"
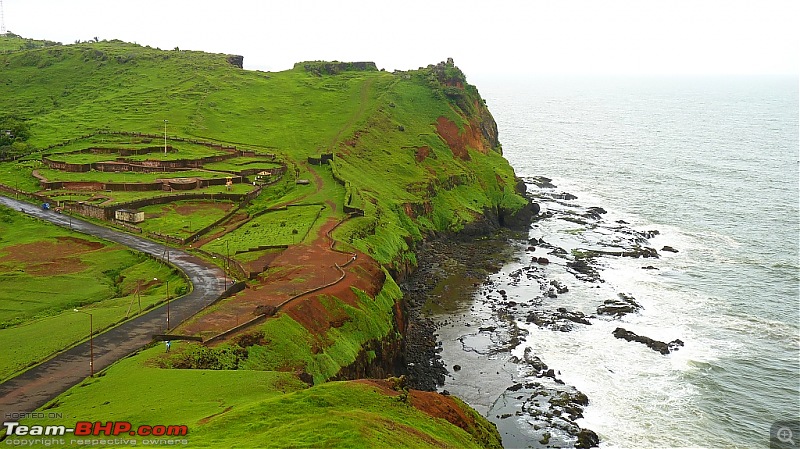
[[33, 388]]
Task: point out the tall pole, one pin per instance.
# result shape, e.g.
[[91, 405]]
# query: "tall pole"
[[91, 342], [167, 304], [165, 136]]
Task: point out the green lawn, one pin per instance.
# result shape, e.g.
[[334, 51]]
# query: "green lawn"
[[183, 218], [241, 163], [275, 409], [36, 306], [119, 197], [99, 176], [272, 228], [18, 175]]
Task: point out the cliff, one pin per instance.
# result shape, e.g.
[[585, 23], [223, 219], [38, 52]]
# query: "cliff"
[[402, 156]]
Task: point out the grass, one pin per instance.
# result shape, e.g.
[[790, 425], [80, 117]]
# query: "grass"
[[183, 218], [118, 197], [275, 410], [290, 346], [179, 150], [18, 175], [281, 227], [36, 317], [100, 176], [241, 163], [374, 122]]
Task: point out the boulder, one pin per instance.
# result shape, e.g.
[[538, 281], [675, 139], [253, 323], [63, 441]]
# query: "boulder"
[[587, 439], [655, 345], [618, 307]]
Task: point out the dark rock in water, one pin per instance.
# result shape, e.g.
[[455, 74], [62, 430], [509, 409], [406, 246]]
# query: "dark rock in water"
[[619, 307], [641, 251], [649, 267], [670, 249], [542, 261], [521, 187], [649, 234], [531, 248], [542, 182], [515, 387], [536, 318], [580, 398], [535, 363], [587, 439], [560, 288], [660, 346], [560, 321], [576, 220], [456, 368], [582, 270], [565, 196], [622, 222], [594, 212], [575, 317], [445, 393]]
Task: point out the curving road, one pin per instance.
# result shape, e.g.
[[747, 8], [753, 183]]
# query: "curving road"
[[35, 387]]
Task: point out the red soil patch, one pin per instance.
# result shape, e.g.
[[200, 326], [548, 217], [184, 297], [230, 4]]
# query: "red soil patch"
[[49, 258], [65, 265], [195, 206], [295, 270], [422, 153], [457, 141], [429, 402], [262, 263], [363, 274]]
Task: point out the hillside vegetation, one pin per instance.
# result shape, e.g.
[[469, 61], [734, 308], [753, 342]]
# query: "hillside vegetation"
[[333, 169]]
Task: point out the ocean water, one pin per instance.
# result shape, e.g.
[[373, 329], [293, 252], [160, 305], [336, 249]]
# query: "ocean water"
[[712, 164]]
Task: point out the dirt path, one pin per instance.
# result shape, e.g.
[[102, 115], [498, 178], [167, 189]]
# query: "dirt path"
[[37, 386], [362, 107], [299, 268]]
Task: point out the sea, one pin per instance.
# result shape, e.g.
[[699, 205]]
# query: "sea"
[[711, 163]]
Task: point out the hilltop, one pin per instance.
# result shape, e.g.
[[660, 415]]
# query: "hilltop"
[[311, 187]]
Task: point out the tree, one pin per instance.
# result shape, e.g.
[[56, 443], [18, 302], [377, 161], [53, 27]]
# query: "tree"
[[13, 129]]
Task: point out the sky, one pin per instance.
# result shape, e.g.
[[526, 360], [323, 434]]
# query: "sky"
[[483, 37]]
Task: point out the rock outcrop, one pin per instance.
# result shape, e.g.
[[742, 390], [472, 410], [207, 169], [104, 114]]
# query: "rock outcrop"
[[655, 345]]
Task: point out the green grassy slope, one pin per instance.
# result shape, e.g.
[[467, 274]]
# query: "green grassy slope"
[[389, 161], [38, 294], [70, 91], [273, 410]]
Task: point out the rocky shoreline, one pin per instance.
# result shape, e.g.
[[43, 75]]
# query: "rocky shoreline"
[[470, 262], [475, 300], [438, 260]]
